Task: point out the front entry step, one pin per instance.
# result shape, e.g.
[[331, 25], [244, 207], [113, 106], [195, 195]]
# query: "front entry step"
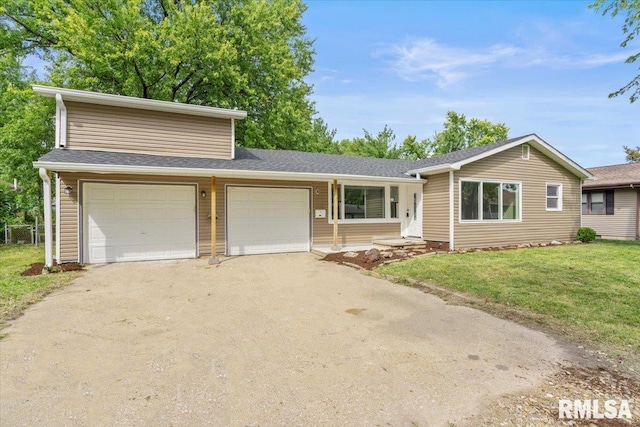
[[400, 242]]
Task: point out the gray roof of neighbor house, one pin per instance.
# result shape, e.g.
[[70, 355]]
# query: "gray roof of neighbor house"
[[615, 176], [246, 159]]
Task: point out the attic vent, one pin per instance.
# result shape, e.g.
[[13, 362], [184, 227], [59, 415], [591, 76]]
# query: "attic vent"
[[525, 152]]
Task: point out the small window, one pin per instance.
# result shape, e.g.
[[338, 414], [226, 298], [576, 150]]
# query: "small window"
[[598, 203], [525, 151], [394, 201], [596, 206], [554, 197]]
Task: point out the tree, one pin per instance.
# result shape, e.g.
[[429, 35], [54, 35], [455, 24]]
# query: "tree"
[[633, 154], [246, 54], [631, 29], [381, 146], [460, 133], [412, 149], [26, 133]]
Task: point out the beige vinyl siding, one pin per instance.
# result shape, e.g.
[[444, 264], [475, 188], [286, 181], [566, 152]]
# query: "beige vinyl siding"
[[106, 128], [620, 225], [322, 230], [435, 208], [69, 226], [537, 225]]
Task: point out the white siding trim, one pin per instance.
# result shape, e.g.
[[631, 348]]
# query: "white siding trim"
[[58, 218]]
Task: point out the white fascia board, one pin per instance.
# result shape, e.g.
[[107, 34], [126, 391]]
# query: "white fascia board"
[[139, 103], [534, 140], [430, 170], [223, 173]]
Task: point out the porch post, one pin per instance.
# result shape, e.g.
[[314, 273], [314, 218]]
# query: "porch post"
[[335, 215], [48, 240], [214, 250]]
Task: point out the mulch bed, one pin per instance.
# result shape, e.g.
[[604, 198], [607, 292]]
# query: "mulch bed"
[[361, 262], [35, 269]]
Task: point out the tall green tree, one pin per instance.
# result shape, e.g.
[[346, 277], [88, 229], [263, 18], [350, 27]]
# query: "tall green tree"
[[26, 133], [460, 133], [630, 29], [246, 54], [633, 154], [381, 145]]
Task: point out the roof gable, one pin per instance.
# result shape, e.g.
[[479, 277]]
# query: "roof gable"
[[457, 159]]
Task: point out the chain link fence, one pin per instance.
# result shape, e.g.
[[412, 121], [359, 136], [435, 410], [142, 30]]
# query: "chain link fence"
[[24, 234]]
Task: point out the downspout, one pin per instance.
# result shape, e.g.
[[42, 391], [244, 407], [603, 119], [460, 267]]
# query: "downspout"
[[48, 241], [233, 139], [451, 212], [61, 122], [57, 217]]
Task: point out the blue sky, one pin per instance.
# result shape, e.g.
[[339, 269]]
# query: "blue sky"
[[543, 67]]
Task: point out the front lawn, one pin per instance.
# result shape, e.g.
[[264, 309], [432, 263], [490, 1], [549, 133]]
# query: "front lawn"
[[16, 291], [591, 292]]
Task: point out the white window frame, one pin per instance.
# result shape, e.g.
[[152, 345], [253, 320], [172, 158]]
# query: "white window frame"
[[387, 203], [527, 148], [500, 220], [559, 197]]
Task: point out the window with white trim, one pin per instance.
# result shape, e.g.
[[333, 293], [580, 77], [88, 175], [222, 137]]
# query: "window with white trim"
[[554, 197], [365, 203], [489, 201]]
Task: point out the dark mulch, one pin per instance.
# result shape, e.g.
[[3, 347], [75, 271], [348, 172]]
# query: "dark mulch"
[[35, 269], [361, 262]]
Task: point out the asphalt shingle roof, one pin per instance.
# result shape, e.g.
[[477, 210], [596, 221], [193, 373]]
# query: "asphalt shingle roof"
[[250, 159], [614, 175], [253, 159], [458, 156]]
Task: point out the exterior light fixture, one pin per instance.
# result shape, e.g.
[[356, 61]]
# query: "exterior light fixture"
[[203, 194], [68, 190]]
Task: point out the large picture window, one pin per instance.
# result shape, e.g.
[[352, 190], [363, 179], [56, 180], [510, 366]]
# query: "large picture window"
[[489, 201], [363, 202]]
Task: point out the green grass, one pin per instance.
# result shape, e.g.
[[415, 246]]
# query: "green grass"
[[18, 292], [590, 292]]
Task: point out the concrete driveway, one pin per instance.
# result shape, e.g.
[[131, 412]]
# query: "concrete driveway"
[[260, 340]]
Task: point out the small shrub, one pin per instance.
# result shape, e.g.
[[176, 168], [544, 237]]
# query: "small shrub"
[[586, 234]]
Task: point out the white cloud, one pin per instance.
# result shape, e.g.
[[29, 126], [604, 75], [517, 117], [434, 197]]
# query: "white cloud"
[[425, 59]]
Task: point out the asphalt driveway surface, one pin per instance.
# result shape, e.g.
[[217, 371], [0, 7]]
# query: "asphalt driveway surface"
[[260, 340]]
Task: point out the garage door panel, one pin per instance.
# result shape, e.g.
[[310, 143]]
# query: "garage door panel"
[[129, 194], [267, 220], [139, 223]]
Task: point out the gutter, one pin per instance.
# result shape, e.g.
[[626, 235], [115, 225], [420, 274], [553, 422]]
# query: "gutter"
[[222, 173], [61, 122]]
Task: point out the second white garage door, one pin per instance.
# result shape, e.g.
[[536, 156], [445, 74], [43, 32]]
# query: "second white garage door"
[[267, 220]]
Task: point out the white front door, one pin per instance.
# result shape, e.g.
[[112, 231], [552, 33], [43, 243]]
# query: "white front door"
[[412, 223], [263, 220]]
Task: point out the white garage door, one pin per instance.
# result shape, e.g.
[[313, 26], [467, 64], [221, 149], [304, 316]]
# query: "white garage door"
[[267, 220], [134, 222]]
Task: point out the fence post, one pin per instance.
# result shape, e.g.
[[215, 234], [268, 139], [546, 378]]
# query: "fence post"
[[36, 234], [6, 234]]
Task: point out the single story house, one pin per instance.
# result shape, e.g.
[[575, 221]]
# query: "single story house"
[[139, 179], [611, 202]]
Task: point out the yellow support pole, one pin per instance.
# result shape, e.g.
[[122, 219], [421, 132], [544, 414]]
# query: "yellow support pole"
[[214, 251], [335, 215]]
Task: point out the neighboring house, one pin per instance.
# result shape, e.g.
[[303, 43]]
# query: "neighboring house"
[[138, 179], [611, 202]]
